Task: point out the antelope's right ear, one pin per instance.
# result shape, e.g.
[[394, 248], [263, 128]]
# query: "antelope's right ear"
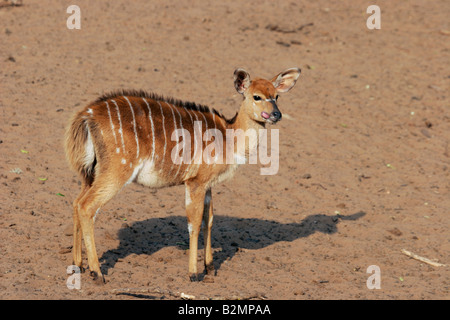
[[241, 80], [285, 80]]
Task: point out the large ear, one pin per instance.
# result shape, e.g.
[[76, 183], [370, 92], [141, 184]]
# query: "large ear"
[[284, 81], [241, 80]]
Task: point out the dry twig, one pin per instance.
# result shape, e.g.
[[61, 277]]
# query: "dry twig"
[[11, 3], [144, 291], [415, 256], [182, 295]]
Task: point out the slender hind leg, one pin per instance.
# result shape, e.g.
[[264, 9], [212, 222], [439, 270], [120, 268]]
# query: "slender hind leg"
[[76, 249], [93, 199]]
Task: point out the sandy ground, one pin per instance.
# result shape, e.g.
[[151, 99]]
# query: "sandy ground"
[[364, 148]]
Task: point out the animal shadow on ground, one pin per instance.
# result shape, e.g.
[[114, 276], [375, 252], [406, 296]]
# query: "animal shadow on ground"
[[229, 234]]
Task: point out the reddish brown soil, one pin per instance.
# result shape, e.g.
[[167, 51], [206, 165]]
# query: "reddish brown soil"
[[364, 148]]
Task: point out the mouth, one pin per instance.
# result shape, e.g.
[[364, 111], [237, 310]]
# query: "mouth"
[[269, 118]]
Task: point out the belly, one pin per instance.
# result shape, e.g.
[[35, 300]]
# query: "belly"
[[151, 177]]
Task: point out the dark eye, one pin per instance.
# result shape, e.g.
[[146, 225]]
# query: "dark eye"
[[257, 98]]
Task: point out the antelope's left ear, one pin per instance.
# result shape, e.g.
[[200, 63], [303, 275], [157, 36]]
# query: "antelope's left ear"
[[285, 80], [241, 80]]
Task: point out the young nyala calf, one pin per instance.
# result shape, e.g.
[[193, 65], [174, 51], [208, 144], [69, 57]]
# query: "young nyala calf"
[[127, 137]]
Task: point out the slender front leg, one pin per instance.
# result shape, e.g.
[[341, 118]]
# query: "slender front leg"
[[207, 225], [195, 197]]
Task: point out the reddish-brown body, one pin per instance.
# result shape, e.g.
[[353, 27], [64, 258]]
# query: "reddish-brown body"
[[127, 137]]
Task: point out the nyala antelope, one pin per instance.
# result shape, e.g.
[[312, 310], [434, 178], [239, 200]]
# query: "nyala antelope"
[[125, 137]]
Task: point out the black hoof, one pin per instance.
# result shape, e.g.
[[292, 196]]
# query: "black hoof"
[[193, 278], [210, 270], [96, 278]]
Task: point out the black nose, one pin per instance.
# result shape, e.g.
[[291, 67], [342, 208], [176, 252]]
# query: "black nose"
[[276, 115]]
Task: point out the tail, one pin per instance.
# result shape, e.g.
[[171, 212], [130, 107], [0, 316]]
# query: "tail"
[[79, 147]]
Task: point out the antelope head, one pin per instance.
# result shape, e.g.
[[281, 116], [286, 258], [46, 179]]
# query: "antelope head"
[[261, 95]]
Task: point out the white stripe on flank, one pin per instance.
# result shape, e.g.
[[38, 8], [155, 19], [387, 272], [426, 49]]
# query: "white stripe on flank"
[[184, 139], [120, 125], [206, 122], [192, 120], [175, 128], [164, 129], [214, 118], [134, 126], [206, 129], [153, 128], [201, 136], [192, 160], [196, 118], [195, 141], [112, 126]]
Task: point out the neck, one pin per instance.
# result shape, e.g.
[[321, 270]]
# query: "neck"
[[244, 122], [248, 138]]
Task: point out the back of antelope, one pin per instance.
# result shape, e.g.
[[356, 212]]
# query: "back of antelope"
[[125, 137]]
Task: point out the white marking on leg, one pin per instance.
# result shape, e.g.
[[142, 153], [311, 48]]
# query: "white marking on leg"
[[90, 111], [124, 161], [96, 212], [164, 130], [190, 228], [120, 125], [134, 126], [112, 126], [153, 129], [188, 196], [210, 222]]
